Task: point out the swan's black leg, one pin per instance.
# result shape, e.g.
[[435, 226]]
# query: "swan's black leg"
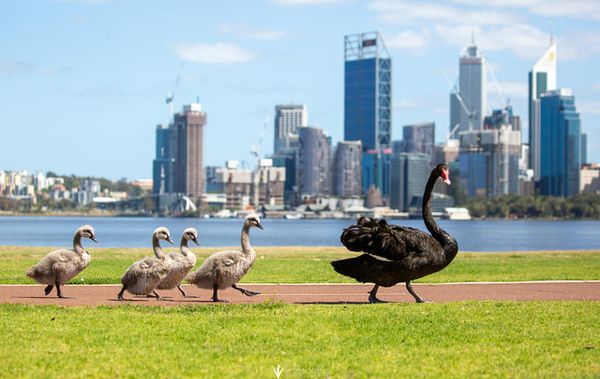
[[373, 295], [120, 295], [245, 291], [48, 289], [412, 292]]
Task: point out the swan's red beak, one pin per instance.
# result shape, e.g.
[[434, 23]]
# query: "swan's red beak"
[[446, 176]]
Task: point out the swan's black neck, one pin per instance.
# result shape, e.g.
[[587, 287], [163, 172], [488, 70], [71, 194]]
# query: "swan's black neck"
[[445, 239]]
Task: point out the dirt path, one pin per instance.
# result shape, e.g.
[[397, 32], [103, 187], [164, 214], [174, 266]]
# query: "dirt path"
[[84, 295]]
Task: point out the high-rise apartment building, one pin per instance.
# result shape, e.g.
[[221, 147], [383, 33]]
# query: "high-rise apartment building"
[[188, 131], [347, 169], [288, 118], [314, 162], [178, 167], [367, 91], [542, 78], [560, 144]]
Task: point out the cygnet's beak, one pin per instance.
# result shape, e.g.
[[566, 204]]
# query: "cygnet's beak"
[[196, 241], [260, 226], [93, 238], [169, 240]]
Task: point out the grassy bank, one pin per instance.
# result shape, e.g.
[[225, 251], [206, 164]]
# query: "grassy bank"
[[533, 339], [304, 264]]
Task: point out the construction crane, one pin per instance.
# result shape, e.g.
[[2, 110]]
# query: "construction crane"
[[470, 114], [255, 148], [171, 94]]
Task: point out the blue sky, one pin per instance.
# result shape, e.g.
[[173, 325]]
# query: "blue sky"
[[83, 82]]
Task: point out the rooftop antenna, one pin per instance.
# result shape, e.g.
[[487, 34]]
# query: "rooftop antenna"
[[551, 32], [473, 37]]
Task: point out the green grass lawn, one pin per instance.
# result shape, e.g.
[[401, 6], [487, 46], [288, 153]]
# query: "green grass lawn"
[[304, 264], [470, 339]]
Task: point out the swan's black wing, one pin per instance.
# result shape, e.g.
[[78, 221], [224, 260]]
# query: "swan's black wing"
[[387, 241]]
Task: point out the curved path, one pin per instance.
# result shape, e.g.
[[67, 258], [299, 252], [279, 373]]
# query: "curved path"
[[92, 295]]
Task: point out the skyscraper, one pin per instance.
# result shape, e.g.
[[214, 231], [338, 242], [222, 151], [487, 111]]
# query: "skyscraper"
[[178, 167], [314, 162], [472, 90], [347, 170], [419, 138], [409, 173], [188, 134], [489, 157], [162, 165], [560, 144], [367, 91], [542, 78], [287, 120], [584, 148]]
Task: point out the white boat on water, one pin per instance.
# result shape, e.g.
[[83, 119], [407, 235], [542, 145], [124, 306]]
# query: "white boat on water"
[[294, 216], [458, 214]]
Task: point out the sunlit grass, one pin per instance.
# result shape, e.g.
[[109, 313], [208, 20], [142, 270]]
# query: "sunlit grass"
[[472, 339], [311, 265]]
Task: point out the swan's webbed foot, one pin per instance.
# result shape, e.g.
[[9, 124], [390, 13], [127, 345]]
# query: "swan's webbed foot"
[[418, 298], [373, 296], [48, 289], [245, 291]]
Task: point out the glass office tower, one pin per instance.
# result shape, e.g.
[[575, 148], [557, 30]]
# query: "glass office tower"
[[560, 144], [367, 103]]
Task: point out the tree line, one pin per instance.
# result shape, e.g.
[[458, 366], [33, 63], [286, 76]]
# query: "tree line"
[[513, 206]]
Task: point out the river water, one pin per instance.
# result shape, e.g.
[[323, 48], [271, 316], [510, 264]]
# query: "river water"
[[475, 235]]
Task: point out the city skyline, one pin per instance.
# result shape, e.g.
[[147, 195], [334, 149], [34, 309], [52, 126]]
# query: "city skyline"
[[84, 82]]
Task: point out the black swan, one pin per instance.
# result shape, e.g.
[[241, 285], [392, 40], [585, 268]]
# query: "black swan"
[[397, 254]]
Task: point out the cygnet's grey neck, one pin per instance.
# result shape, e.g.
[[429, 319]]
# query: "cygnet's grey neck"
[[77, 244], [246, 248], [183, 247], [158, 251]]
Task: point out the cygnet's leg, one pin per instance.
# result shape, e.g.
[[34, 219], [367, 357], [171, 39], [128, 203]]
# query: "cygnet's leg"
[[156, 295], [215, 298], [120, 295], [373, 295], [48, 289], [183, 292], [412, 292], [245, 291], [59, 292]]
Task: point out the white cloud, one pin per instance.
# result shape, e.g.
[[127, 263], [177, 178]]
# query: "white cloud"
[[294, 3], [245, 31], [584, 9], [509, 90], [408, 12], [9, 67], [216, 53], [588, 107], [523, 40], [409, 40]]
